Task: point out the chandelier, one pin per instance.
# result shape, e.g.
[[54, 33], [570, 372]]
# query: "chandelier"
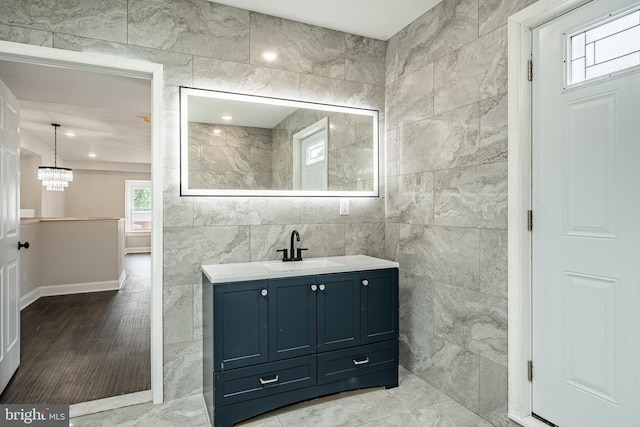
[[53, 177]]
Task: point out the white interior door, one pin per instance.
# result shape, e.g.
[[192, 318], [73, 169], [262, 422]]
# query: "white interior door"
[[586, 228], [9, 235]]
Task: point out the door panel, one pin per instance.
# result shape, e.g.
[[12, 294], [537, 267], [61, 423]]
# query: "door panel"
[[338, 311], [586, 234], [9, 236], [379, 302]]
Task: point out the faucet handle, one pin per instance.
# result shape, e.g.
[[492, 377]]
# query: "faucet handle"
[[299, 253], [285, 254]]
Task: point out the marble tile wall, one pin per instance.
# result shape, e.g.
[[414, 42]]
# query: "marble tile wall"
[[212, 46], [446, 214]]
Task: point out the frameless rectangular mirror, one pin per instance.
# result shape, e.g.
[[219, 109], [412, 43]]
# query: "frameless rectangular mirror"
[[241, 145]]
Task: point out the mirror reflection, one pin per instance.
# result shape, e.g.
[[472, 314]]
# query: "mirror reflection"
[[241, 145]]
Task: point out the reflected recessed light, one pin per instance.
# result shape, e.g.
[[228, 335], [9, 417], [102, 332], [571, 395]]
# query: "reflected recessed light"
[[217, 131], [92, 155], [227, 117], [71, 134], [270, 56]]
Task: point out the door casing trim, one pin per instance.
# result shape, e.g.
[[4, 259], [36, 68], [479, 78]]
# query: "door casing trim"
[[18, 52], [520, 27]]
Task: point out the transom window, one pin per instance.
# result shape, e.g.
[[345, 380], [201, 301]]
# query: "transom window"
[[606, 48]]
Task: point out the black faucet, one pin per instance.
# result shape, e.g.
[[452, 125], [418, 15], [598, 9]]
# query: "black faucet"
[[293, 255]]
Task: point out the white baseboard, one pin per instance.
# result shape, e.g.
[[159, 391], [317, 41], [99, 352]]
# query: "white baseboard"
[[139, 250], [74, 288]]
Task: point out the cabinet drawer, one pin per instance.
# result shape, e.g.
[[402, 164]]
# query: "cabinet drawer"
[[342, 364], [264, 380]]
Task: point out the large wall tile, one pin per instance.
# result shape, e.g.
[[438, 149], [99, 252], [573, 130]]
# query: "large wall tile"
[[391, 72], [365, 60], [493, 262], [472, 73], [26, 36], [105, 20], [364, 239], [319, 239], [187, 248], [445, 254], [300, 48], [178, 314], [319, 210], [340, 92], [472, 320], [243, 78], [475, 196], [410, 198], [182, 369], [410, 99], [454, 371], [178, 211], [444, 141], [190, 26], [448, 26], [493, 393], [246, 211], [416, 303], [494, 13], [493, 130]]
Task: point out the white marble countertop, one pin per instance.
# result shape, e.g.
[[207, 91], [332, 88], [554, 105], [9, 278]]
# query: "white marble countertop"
[[238, 272]]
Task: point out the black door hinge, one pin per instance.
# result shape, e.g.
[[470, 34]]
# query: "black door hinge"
[[530, 70], [530, 370], [530, 220]]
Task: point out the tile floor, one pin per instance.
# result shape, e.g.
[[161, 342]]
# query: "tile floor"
[[414, 403]]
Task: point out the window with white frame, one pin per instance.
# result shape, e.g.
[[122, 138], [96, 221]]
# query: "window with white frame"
[[610, 46], [138, 206]]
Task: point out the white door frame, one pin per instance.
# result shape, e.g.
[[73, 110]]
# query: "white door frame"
[[519, 202], [18, 52]]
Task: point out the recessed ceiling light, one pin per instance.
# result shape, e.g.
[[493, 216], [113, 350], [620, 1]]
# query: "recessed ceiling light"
[[70, 134], [227, 117], [92, 155], [270, 56]]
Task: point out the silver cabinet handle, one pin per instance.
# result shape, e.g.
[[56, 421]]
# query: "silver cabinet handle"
[[322, 287], [314, 288], [365, 282], [361, 362], [264, 292], [271, 381]]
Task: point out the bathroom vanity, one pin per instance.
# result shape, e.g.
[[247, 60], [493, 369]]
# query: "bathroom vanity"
[[277, 333]]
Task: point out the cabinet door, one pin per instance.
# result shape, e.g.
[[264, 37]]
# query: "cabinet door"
[[240, 324], [379, 300], [292, 317], [338, 311]]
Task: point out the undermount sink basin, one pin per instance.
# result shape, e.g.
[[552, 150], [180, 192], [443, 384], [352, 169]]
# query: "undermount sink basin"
[[307, 264]]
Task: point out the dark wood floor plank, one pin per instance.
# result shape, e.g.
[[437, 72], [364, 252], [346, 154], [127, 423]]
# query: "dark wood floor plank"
[[76, 348]]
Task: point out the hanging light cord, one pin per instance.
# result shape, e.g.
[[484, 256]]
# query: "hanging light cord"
[[55, 144]]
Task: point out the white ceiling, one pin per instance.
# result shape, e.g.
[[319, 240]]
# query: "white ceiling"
[[379, 19], [104, 111]]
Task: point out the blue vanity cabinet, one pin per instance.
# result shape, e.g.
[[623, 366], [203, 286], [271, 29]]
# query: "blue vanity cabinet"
[[277, 341], [379, 302], [240, 324]]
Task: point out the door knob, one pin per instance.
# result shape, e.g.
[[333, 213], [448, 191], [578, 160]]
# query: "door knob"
[[264, 292], [365, 282], [314, 288], [322, 287], [23, 245]]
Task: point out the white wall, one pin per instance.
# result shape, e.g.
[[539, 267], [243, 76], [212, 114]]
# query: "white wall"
[[30, 187]]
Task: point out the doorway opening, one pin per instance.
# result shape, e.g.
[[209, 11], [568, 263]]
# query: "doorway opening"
[[104, 65]]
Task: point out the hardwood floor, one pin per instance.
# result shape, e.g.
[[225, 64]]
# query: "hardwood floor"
[[76, 348]]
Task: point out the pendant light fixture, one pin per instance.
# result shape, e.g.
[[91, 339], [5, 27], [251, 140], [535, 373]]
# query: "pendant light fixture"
[[53, 177]]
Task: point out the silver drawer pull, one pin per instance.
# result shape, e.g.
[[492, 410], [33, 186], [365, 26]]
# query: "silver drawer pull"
[[361, 362], [271, 381]]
